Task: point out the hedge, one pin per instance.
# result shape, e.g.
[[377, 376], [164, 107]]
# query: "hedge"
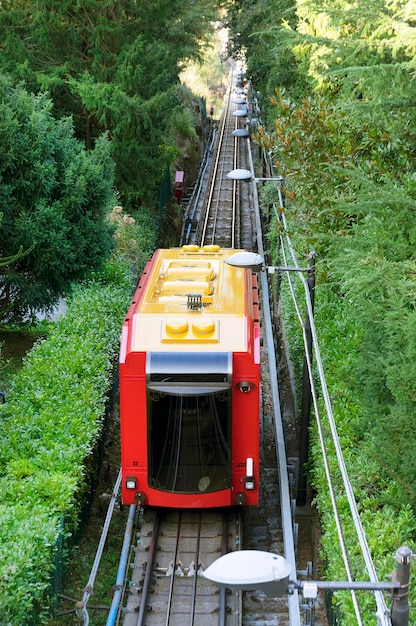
[[49, 426]]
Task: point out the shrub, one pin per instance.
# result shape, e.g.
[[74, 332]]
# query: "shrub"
[[50, 425]]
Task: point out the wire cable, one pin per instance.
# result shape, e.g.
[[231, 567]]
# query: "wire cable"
[[382, 610]]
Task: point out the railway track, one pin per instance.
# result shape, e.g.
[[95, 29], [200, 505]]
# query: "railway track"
[[172, 550], [222, 213], [175, 547]]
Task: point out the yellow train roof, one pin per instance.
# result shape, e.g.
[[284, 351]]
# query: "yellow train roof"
[[192, 298]]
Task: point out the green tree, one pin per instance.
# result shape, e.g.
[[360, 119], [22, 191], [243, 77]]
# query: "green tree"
[[114, 67], [54, 196], [257, 26], [346, 146]]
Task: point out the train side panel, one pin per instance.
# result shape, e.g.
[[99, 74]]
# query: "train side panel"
[[245, 450], [133, 417]]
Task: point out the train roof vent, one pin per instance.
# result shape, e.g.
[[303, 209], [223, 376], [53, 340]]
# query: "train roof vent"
[[177, 326], [189, 248], [203, 326], [211, 248], [189, 272], [194, 302]]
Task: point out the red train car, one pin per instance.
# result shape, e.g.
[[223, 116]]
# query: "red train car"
[[190, 383]]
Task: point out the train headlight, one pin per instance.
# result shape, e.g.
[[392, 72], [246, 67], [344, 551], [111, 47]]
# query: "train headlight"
[[131, 482]]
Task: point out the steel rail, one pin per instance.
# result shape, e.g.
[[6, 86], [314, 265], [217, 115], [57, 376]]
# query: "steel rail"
[[148, 572], [195, 580], [172, 578], [234, 192], [196, 194], [224, 119], [220, 176], [176, 605], [223, 596]]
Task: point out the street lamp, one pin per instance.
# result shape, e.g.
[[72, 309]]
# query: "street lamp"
[[251, 569], [254, 569], [247, 175], [240, 113], [240, 132], [255, 262]]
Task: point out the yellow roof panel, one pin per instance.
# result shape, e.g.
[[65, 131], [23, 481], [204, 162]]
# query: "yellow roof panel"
[[177, 273], [153, 333], [192, 299]]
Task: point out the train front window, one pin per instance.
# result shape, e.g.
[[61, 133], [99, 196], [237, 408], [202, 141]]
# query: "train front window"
[[189, 441]]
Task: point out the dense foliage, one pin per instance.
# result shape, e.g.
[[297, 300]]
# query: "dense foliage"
[[53, 199], [342, 132], [76, 78], [107, 76], [114, 67], [50, 425]]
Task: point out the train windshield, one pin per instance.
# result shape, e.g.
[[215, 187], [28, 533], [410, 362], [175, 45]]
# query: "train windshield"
[[190, 438]]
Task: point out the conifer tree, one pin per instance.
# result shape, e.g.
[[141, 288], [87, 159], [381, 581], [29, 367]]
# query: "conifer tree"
[[53, 197]]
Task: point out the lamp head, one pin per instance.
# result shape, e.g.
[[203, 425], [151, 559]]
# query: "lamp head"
[[240, 174], [249, 570], [246, 260]]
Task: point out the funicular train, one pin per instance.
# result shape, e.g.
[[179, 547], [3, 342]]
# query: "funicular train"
[[190, 383]]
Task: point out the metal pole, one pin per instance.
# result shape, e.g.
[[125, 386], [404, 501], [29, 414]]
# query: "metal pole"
[[81, 613], [306, 390], [121, 572], [400, 604], [287, 521]]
